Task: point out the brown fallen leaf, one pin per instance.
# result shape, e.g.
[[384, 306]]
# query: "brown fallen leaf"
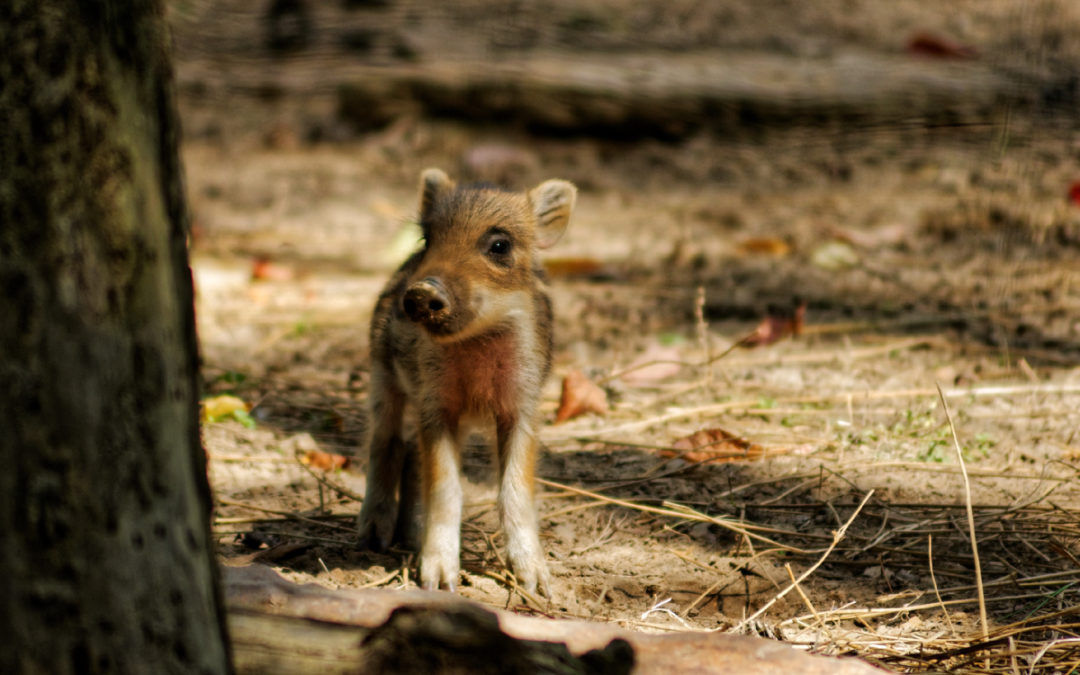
[[775, 328], [714, 444], [935, 46], [1074, 193], [580, 395], [771, 246], [263, 269], [327, 461]]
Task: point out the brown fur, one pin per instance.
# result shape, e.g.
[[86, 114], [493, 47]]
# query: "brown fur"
[[462, 332], [479, 374]]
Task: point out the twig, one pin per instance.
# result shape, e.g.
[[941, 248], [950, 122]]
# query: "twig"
[[704, 594], [287, 514], [381, 580], [659, 607], [933, 580], [344, 492], [837, 536], [844, 613], [219, 457], [490, 543], [686, 364], [970, 517], [508, 579], [806, 600], [703, 335], [570, 509], [245, 521]]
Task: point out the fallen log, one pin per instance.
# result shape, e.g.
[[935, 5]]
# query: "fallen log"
[[280, 627], [630, 96]]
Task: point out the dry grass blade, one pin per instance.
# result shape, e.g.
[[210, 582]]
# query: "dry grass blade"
[[837, 536], [970, 517], [933, 580], [1047, 647], [687, 514]]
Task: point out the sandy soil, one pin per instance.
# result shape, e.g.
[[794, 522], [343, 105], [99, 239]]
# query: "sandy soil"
[[923, 257]]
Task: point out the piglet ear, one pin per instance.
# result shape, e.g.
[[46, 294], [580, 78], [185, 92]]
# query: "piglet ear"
[[433, 182], [552, 201]]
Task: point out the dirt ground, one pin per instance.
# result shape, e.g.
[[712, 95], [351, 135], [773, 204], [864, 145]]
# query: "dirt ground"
[[922, 256]]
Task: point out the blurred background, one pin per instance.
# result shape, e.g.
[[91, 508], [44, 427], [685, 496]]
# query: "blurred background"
[[891, 160]]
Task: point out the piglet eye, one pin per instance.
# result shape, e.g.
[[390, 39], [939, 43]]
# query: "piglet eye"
[[499, 247]]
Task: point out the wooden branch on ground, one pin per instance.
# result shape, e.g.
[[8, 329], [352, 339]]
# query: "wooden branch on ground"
[[279, 627]]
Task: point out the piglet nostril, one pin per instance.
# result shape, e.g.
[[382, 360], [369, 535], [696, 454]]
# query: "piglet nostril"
[[435, 305], [409, 305]]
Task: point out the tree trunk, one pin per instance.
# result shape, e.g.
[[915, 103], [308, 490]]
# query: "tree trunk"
[[106, 560]]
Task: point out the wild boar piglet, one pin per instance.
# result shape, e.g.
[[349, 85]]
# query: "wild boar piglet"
[[462, 336]]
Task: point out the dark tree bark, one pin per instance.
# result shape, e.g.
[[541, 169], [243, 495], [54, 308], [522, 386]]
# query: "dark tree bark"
[[105, 556]]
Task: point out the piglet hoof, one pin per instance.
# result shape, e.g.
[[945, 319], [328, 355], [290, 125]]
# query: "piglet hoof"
[[532, 573], [437, 571], [375, 531]]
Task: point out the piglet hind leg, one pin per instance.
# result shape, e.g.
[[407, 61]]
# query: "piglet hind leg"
[[410, 520], [517, 447], [386, 455], [440, 552]]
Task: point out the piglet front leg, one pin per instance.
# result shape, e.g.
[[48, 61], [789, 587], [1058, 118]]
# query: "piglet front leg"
[[440, 552], [517, 447]]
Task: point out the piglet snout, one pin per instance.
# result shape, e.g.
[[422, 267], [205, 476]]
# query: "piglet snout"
[[427, 301]]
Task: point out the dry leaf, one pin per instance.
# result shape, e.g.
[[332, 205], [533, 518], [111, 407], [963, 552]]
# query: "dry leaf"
[[217, 407], [925, 44], [575, 267], [264, 270], [834, 255], [772, 246], [713, 445], [579, 396], [884, 235], [775, 328], [1074, 193], [327, 461]]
